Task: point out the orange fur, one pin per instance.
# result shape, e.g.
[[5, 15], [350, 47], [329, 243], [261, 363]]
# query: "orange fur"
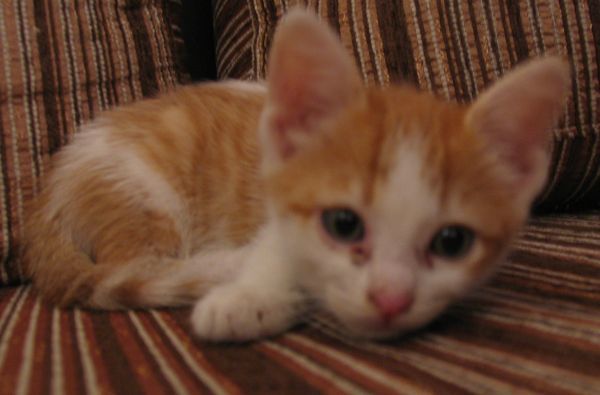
[[183, 137]]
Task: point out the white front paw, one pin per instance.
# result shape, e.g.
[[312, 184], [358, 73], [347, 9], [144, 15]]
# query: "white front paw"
[[237, 313]]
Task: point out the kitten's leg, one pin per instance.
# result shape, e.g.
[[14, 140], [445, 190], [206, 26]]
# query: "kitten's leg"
[[261, 301]]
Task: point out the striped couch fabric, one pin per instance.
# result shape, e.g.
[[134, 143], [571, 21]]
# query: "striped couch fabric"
[[61, 63], [535, 329], [455, 49]]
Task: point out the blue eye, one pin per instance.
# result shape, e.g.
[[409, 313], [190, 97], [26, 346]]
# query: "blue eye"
[[452, 242], [343, 225]]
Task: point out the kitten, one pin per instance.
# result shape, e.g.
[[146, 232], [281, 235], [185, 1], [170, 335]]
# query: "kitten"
[[377, 206]]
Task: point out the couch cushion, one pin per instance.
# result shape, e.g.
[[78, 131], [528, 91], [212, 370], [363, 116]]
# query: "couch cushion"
[[454, 49], [534, 328], [61, 62]]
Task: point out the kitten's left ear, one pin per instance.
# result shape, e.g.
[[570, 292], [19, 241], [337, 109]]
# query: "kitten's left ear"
[[515, 116], [310, 78]]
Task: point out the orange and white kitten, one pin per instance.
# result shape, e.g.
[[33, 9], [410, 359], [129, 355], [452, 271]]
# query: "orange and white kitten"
[[376, 206]]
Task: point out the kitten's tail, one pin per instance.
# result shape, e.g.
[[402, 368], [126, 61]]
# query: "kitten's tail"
[[151, 282], [65, 275]]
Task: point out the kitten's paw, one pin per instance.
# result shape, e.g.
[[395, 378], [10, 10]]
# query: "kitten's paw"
[[238, 313]]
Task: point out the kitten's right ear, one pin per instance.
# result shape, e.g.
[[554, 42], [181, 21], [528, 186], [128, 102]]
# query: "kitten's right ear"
[[311, 77]]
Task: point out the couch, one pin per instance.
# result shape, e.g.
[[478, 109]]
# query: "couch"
[[533, 329]]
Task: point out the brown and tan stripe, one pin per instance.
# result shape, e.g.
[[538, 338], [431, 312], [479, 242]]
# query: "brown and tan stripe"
[[512, 369], [13, 123], [447, 370], [96, 60], [374, 42], [252, 370], [129, 43], [146, 371], [322, 378], [86, 62], [29, 81], [67, 375], [12, 342], [158, 355], [11, 302], [57, 382], [360, 40], [190, 374], [124, 92], [72, 60], [29, 348], [369, 376], [95, 375], [216, 381]]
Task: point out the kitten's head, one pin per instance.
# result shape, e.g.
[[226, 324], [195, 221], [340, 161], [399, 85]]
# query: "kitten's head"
[[393, 203]]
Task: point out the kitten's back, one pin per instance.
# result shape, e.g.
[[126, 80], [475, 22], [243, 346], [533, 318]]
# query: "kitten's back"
[[142, 185]]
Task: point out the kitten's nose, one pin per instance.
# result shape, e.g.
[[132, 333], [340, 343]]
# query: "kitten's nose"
[[390, 304]]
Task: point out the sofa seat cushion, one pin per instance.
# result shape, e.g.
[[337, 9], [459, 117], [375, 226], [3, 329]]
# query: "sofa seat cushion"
[[534, 328]]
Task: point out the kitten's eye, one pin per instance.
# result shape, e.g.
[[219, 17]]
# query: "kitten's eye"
[[452, 242], [343, 225]]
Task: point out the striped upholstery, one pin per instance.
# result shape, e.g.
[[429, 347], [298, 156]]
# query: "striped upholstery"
[[453, 48], [61, 62], [535, 329]]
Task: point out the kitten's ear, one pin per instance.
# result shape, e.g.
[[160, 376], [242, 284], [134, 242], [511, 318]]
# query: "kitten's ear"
[[310, 78], [516, 114]]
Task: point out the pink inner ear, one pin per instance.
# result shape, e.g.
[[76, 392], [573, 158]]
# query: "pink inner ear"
[[517, 113], [310, 89], [516, 138], [310, 78]]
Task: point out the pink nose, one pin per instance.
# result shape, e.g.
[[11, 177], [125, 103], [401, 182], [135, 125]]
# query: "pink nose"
[[390, 304]]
